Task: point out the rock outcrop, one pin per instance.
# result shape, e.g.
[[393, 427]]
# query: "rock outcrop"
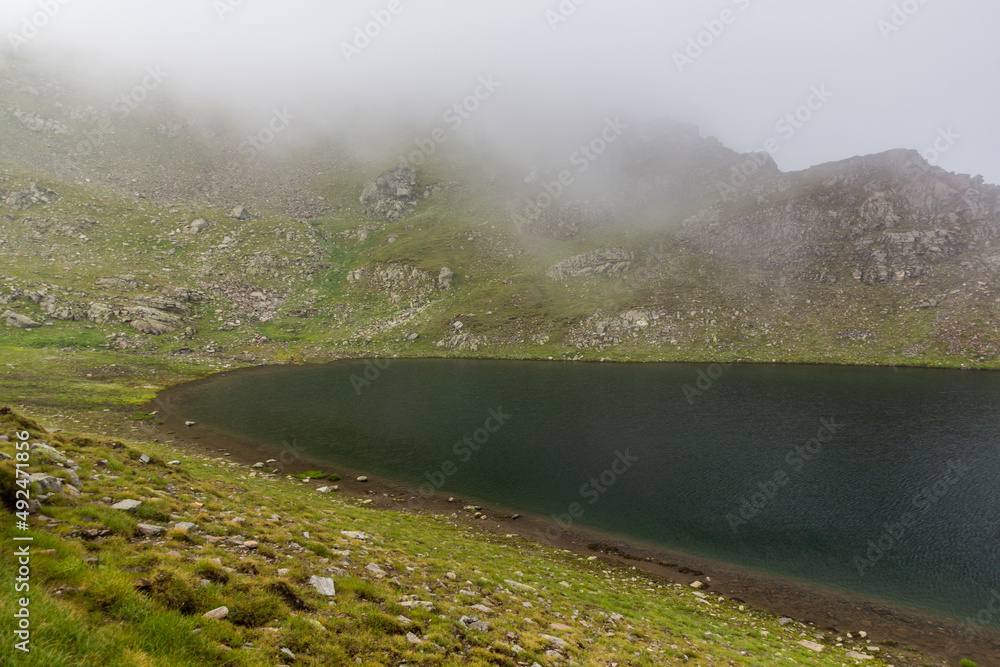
[[18, 321], [22, 199], [605, 261], [388, 195]]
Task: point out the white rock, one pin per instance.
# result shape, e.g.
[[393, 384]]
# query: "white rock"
[[413, 639], [217, 614], [185, 526], [858, 656], [127, 505], [375, 569], [324, 585], [811, 645]]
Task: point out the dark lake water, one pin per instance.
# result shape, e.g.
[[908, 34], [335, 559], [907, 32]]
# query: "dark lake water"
[[880, 481]]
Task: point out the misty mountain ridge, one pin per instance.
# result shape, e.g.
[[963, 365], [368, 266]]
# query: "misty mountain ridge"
[[642, 239]]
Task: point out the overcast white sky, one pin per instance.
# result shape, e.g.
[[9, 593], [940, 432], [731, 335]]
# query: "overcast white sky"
[[939, 70]]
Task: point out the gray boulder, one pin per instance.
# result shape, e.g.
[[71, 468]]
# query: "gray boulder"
[[127, 505], [18, 321], [46, 483], [445, 278], [240, 213]]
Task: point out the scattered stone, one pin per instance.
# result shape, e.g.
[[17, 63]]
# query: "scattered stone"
[[324, 585], [410, 604], [375, 569], [482, 608], [520, 586], [143, 458], [556, 641], [196, 226], [149, 530], [362, 479], [216, 614], [413, 639], [190, 423], [698, 585], [811, 645], [858, 656], [354, 535], [784, 621], [240, 213], [185, 526], [562, 627], [127, 505]]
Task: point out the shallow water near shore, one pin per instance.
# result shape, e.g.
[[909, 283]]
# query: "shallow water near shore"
[[884, 482]]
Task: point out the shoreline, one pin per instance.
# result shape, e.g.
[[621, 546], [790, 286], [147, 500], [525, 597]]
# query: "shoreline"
[[813, 605]]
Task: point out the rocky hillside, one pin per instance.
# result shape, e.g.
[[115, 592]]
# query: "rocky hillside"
[[158, 234]]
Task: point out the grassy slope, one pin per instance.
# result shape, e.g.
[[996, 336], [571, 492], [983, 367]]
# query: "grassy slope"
[[87, 609]]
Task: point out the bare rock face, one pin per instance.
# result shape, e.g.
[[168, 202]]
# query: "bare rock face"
[[62, 311], [462, 342], [883, 218], [99, 313], [388, 195], [605, 261], [152, 321]]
